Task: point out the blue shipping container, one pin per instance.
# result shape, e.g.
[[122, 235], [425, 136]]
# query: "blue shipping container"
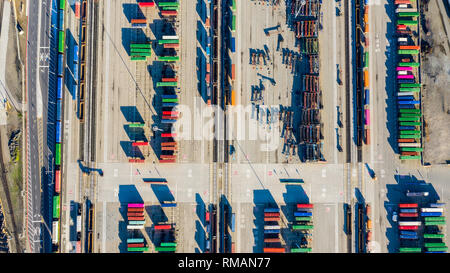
[[58, 110], [169, 104], [58, 132], [233, 220], [408, 237], [408, 210], [408, 102], [271, 231], [406, 81], [431, 214], [167, 205], [61, 21], [60, 64], [75, 72], [75, 54], [271, 210], [405, 98], [168, 120], [208, 50], [169, 96], [301, 214], [367, 97], [138, 25], [60, 87], [406, 106], [405, 232], [406, 127], [233, 44]]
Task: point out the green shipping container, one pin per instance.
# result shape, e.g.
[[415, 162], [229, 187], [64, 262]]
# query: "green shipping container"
[[62, 4], [61, 42], [408, 51], [169, 58], [134, 249], [168, 4], [305, 218], [301, 250], [407, 22], [410, 85], [165, 249], [161, 42], [168, 244], [138, 58], [233, 23], [438, 218], [435, 223], [437, 248], [410, 157], [136, 125], [233, 7], [302, 227], [411, 149], [140, 50], [161, 84], [408, 14], [58, 154], [409, 119], [409, 110], [56, 206], [140, 46], [409, 132], [410, 250], [366, 60], [405, 123], [408, 90], [409, 136], [410, 115], [170, 100], [429, 236], [409, 65]]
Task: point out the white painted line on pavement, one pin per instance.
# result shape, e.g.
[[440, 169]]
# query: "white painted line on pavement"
[[104, 228], [106, 114]]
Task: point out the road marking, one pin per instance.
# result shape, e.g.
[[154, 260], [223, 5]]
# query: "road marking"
[[116, 172], [324, 173], [104, 228], [106, 89]]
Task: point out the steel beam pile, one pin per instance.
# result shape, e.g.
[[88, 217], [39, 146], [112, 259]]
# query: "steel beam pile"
[[286, 115]]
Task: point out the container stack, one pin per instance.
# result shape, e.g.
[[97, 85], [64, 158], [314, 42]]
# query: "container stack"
[[272, 240], [140, 52], [435, 227], [168, 8], [170, 89], [366, 94], [303, 223], [135, 215], [167, 238], [138, 23], [408, 225], [408, 81], [368, 230]]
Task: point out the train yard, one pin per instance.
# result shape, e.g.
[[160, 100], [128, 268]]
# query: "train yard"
[[226, 126]]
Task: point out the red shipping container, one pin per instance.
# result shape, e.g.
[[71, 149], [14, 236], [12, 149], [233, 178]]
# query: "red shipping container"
[[134, 214], [408, 227], [274, 250], [207, 216], [146, 4], [269, 219], [408, 205], [409, 215], [271, 240], [162, 227], [140, 143], [168, 135], [169, 13], [167, 161], [169, 148], [136, 218], [168, 157], [135, 210], [307, 206], [171, 45], [138, 21], [169, 80], [58, 181], [136, 160], [136, 245], [77, 9], [164, 144], [233, 68]]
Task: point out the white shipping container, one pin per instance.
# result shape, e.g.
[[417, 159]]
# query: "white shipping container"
[[402, 72], [167, 37], [405, 10], [403, 39], [432, 210], [135, 226], [271, 227], [409, 145], [79, 223], [409, 223], [55, 232], [405, 94]]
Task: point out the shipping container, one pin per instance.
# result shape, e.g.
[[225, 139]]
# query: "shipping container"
[[55, 232], [58, 132], [57, 181], [58, 154], [56, 205]]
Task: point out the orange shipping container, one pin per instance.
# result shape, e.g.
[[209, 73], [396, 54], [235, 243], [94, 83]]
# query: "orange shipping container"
[[410, 47], [171, 45], [406, 140], [207, 22], [366, 78], [138, 21], [233, 97], [57, 181]]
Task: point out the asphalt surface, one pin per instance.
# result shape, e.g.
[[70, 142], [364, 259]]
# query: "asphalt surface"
[[33, 71]]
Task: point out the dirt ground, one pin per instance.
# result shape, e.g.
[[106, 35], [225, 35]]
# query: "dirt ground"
[[436, 96], [12, 151]]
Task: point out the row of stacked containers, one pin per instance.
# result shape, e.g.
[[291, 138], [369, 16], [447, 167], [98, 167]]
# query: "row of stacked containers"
[[303, 224], [424, 231], [136, 221], [272, 236], [304, 19], [58, 135], [365, 105], [80, 80], [231, 40], [408, 81], [169, 83]]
